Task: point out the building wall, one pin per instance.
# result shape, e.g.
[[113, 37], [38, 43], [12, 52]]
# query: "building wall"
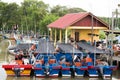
[[87, 21], [83, 34]]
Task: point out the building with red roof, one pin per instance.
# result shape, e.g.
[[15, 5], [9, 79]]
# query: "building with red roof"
[[82, 26]]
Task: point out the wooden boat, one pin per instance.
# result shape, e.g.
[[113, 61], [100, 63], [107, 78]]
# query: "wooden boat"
[[70, 68], [38, 67], [24, 70], [107, 71], [20, 47], [92, 70], [46, 65], [16, 66], [79, 67]]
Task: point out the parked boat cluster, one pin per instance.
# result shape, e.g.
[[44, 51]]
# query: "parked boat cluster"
[[43, 60]]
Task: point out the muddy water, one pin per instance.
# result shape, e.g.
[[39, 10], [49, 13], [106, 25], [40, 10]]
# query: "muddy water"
[[5, 57]]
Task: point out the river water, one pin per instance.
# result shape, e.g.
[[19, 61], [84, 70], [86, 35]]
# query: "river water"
[[5, 57]]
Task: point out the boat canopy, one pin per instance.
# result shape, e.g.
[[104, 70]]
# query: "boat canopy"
[[68, 48], [90, 48], [45, 47], [22, 46]]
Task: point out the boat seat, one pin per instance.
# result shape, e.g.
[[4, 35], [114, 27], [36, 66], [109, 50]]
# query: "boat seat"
[[19, 62], [40, 61], [51, 61], [67, 63], [78, 64]]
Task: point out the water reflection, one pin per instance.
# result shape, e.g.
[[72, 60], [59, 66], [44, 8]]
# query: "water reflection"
[[67, 78], [3, 74]]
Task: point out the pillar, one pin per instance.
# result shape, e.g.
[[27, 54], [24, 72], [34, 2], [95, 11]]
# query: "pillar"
[[107, 40], [55, 40], [60, 36], [51, 35], [66, 35]]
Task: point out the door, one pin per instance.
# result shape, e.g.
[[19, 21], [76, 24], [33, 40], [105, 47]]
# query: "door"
[[76, 36]]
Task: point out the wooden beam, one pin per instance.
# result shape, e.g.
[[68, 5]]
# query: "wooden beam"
[[87, 27]]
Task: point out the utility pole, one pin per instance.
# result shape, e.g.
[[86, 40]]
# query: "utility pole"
[[111, 54], [92, 31], [116, 13]]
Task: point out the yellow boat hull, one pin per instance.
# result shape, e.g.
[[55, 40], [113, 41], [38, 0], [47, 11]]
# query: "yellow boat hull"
[[25, 70]]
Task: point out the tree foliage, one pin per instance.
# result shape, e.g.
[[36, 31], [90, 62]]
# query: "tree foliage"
[[102, 35], [62, 10], [49, 18], [35, 15], [116, 23]]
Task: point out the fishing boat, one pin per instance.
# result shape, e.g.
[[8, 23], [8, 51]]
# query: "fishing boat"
[[38, 67], [46, 63], [108, 70], [54, 67], [21, 65], [96, 70], [20, 44], [105, 70], [79, 67], [20, 47], [70, 67], [46, 66], [17, 70]]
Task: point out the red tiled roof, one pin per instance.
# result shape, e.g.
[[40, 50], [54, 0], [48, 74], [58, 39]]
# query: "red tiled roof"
[[70, 19]]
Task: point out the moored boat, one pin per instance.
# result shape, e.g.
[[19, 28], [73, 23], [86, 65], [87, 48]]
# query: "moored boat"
[[17, 70]]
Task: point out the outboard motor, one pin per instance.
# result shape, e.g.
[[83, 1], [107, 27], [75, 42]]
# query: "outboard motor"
[[16, 70], [47, 69]]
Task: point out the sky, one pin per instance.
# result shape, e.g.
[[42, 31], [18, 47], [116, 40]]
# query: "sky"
[[102, 8]]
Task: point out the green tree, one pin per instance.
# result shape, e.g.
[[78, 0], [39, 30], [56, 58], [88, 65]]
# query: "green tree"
[[62, 10], [33, 13], [12, 14], [47, 20], [102, 35], [2, 19], [75, 10], [59, 10]]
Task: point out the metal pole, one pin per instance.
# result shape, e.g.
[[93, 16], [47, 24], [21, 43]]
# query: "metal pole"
[[95, 54], [35, 31], [112, 36], [92, 30]]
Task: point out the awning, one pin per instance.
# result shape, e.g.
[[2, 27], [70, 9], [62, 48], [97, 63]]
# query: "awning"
[[110, 31], [90, 48], [68, 48], [22, 46], [45, 47]]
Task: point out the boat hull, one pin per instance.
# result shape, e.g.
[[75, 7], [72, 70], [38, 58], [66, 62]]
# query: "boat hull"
[[25, 70]]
